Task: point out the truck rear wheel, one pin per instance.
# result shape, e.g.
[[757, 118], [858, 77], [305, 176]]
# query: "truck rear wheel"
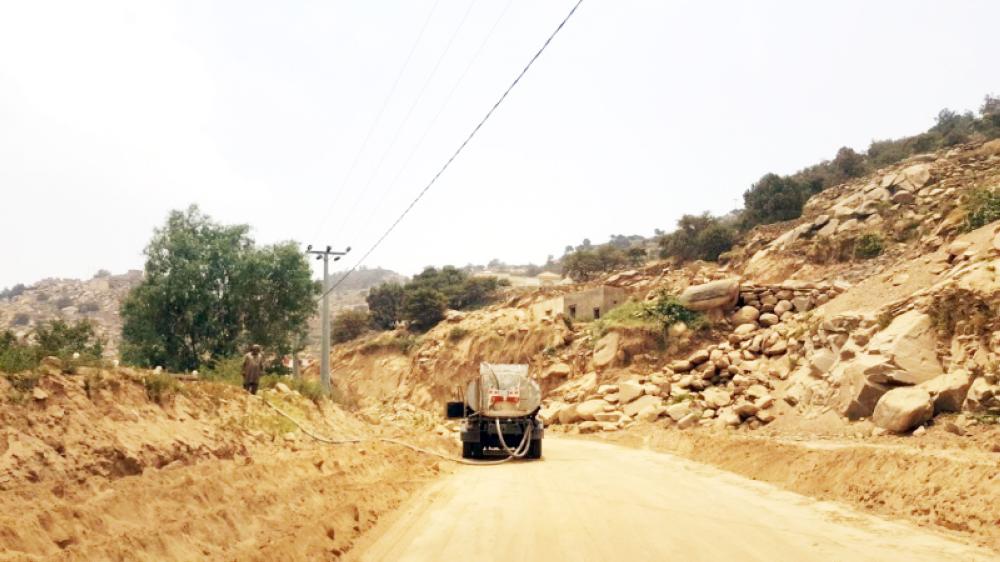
[[535, 449], [472, 450]]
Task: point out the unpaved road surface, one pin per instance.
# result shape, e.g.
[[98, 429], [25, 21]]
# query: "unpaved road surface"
[[595, 501]]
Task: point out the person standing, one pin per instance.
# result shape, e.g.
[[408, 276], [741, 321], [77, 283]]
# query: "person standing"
[[253, 368]]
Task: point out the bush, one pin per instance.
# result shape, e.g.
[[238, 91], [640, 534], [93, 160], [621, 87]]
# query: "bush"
[[424, 308], [21, 319], [982, 207], [159, 386], [457, 334], [349, 325], [228, 370], [17, 358], [63, 302], [89, 307], [63, 340], [868, 246]]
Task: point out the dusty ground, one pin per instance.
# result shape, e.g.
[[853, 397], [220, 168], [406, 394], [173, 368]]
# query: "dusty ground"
[[593, 501], [940, 481], [211, 474]]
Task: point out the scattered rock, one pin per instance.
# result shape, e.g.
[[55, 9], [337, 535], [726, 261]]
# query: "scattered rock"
[[769, 319], [902, 409], [745, 315], [39, 394], [641, 403]]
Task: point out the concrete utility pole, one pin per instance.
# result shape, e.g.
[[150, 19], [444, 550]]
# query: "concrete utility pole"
[[324, 359]]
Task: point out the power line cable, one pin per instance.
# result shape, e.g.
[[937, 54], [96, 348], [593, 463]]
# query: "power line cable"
[[458, 150], [378, 118], [444, 105], [402, 124]]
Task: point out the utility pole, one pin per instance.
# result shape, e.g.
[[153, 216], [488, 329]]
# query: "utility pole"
[[324, 359]]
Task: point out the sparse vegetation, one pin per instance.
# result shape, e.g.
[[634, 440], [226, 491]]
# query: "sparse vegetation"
[[657, 316], [982, 206], [457, 333], [160, 386], [868, 246], [398, 342], [15, 291]]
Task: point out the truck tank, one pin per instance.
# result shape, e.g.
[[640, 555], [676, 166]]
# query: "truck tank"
[[503, 391]]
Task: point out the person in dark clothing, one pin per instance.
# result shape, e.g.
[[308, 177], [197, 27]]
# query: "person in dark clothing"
[[253, 368]]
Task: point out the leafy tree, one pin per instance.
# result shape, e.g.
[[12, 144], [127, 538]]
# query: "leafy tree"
[[585, 264], [636, 256], [208, 290], [349, 325], [773, 199], [698, 237], [385, 304], [424, 307]]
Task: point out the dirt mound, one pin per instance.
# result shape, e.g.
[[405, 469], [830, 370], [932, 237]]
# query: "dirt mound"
[[92, 468]]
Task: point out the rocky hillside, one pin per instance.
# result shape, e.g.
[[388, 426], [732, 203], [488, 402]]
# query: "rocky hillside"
[[877, 305], [97, 299]]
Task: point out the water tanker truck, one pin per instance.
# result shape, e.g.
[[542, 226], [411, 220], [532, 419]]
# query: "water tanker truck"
[[500, 408]]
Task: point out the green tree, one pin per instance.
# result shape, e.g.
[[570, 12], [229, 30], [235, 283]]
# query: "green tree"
[[424, 307], [348, 325], [385, 304], [698, 237], [773, 199], [208, 290]]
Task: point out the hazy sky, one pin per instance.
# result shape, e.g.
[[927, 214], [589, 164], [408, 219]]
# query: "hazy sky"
[[114, 113]]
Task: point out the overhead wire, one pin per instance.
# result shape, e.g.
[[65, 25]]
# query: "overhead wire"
[[403, 123], [440, 111], [378, 118], [458, 151]]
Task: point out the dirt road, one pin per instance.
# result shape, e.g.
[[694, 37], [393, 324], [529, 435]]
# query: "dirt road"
[[594, 501]]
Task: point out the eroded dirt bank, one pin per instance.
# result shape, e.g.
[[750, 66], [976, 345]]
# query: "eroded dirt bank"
[[92, 469]]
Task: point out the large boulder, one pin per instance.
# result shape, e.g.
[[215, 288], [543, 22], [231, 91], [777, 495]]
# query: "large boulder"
[[983, 396], [717, 294], [589, 409], [557, 372], [914, 177], [716, 397], [629, 391], [902, 409], [606, 350], [567, 414], [679, 410], [640, 404], [909, 342], [949, 391], [859, 395]]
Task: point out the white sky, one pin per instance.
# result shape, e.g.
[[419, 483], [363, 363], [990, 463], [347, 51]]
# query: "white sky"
[[114, 113]]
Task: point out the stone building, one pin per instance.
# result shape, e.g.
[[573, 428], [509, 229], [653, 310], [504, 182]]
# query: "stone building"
[[584, 306]]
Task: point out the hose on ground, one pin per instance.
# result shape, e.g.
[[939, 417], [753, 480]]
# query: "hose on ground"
[[349, 441]]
